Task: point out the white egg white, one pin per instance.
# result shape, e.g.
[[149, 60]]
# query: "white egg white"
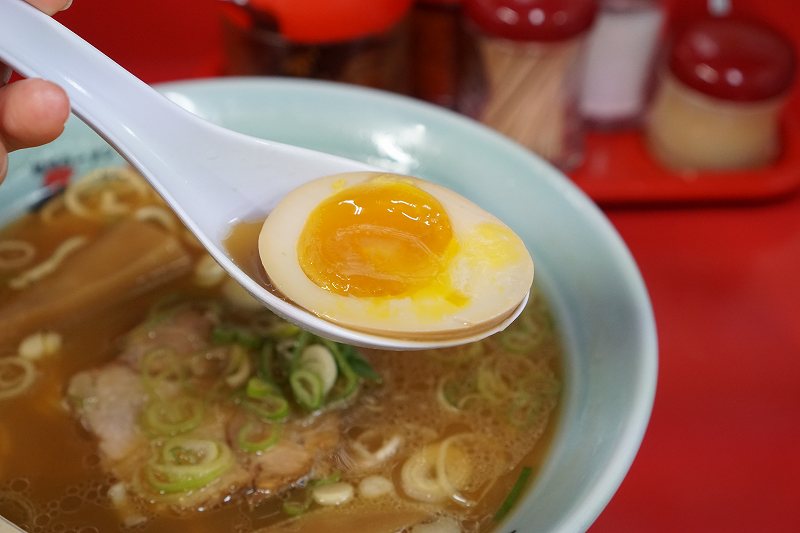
[[491, 267]]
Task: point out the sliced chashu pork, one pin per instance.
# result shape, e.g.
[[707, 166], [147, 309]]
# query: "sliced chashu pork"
[[109, 401]]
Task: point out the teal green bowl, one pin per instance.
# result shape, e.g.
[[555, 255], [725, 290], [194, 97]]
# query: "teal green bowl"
[[582, 265]]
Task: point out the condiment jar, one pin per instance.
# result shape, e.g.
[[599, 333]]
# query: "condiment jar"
[[719, 100], [619, 62], [362, 42], [531, 52]]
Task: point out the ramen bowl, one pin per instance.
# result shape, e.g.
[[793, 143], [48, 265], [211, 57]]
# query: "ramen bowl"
[[583, 268]]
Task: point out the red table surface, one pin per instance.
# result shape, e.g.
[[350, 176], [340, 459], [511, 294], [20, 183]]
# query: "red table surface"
[[722, 452]]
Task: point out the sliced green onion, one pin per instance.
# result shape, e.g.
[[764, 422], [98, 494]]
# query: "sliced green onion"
[[285, 349], [295, 508], [225, 334], [319, 360], [491, 386], [307, 388], [159, 367], [514, 494], [266, 358], [333, 478], [248, 339], [174, 416], [454, 394], [16, 376], [352, 363], [360, 366], [270, 408], [283, 330], [260, 388], [186, 464], [348, 381], [525, 408], [163, 309], [239, 367], [303, 339], [445, 394], [251, 437]]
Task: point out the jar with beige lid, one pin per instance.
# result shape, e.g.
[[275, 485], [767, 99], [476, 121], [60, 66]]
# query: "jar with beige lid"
[[720, 97]]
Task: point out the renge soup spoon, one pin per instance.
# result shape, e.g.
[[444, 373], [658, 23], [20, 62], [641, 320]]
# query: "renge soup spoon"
[[210, 176]]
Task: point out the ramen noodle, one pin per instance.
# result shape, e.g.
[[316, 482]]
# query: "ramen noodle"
[[147, 390]]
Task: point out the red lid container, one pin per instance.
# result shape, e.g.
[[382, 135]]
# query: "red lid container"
[[532, 20], [440, 2], [731, 59], [326, 21]]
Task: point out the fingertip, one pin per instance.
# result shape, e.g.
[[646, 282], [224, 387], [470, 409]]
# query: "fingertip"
[[51, 105], [51, 7], [32, 112]]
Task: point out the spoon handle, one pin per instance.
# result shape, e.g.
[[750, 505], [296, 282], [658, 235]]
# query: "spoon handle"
[[163, 141], [100, 91]]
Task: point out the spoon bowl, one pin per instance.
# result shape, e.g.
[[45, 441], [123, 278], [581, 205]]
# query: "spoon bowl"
[[210, 176]]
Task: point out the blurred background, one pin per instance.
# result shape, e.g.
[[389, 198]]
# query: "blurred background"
[[679, 117]]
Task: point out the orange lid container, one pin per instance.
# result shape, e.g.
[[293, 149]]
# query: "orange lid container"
[[324, 21]]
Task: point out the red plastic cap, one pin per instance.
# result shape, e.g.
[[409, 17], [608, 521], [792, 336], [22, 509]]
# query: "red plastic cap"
[[532, 20], [440, 2], [326, 21], [733, 59]]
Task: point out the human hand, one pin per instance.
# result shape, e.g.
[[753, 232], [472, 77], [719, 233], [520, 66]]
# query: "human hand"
[[32, 111]]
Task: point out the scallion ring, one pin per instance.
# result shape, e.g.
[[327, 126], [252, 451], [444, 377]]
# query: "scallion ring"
[[260, 388], [16, 376], [174, 416], [186, 464], [269, 408], [256, 436], [159, 367], [307, 388]]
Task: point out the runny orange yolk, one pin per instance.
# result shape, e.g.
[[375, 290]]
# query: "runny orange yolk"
[[384, 237]]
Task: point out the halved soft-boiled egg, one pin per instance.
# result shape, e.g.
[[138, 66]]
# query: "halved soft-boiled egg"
[[394, 256]]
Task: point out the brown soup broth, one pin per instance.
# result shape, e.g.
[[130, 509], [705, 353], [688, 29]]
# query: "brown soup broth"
[[51, 474]]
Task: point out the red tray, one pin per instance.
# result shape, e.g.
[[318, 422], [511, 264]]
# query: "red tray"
[[619, 170]]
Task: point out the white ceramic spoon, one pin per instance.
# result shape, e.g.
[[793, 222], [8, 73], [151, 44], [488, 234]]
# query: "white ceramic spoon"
[[8, 527], [209, 175]]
